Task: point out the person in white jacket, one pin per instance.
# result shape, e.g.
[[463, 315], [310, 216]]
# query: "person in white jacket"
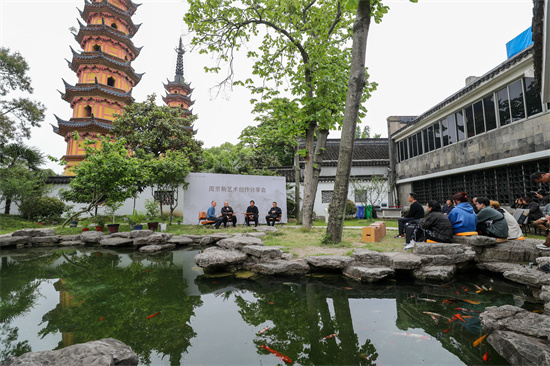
[[514, 230]]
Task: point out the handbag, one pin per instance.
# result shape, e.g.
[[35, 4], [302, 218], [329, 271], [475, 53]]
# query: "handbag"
[[522, 218]]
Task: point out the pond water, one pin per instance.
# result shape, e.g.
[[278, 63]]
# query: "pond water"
[[170, 313]]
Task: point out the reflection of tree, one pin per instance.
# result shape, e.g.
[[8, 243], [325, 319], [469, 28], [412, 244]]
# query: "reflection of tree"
[[124, 298], [301, 318]]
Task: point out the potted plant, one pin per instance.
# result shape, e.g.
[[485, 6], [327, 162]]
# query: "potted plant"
[[85, 223], [99, 221], [111, 210], [135, 220], [152, 211]]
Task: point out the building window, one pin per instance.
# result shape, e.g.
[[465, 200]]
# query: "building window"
[[503, 107], [431, 144], [87, 111], [409, 142], [426, 141], [326, 196], [459, 126], [405, 149], [96, 48], [414, 142], [532, 98], [516, 101], [437, 135], [164, 197], [111, 81], [113, 25], [490, 115], [469, 121], [479, 121], [419, 142]]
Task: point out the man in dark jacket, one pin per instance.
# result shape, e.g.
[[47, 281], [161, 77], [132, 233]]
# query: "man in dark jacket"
[[490, 222], [416, 212], [252, 214], [436, 226], [273, 214]]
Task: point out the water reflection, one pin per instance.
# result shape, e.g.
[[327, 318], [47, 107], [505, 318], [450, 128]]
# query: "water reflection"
[[169, 312]]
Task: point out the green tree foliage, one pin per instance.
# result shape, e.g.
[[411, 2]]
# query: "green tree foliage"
[[158, 129], [304, 52], [365, 133], [41, 208], [233, 159], [18, 114]]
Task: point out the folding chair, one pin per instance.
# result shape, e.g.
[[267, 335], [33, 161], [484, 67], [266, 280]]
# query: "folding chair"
[[203, 220]]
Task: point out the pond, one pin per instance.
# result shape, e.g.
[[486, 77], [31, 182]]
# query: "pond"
[[170, 313]]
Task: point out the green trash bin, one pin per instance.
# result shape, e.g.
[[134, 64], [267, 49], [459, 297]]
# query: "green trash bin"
[[368, 212]]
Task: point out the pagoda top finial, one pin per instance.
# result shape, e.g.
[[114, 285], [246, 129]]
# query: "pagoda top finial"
[[179, 63]]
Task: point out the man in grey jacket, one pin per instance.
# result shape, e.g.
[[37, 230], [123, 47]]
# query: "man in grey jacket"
[[490, 222]]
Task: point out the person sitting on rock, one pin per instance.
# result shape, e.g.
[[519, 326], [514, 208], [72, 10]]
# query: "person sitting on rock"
[[462, 217], [514, 230], [436, 225], [490, 222]]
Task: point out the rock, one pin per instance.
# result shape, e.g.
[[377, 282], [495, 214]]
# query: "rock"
[[263, 252], [545, 294], [541, 261], [287, 256], [368, 274], [499, 267], [195, 238], [218, 236], [514, 319], [116, 242], [91, 236], [438, 249], [475, 240], [71, 243], [12, 241], [215, 257], [256, 235], [122, 234], [366, 256], [140, 233], [34, 232], [266, 229], [511, 251], [519, 349], [155, 248], [404, 260], [239, 242], [181, 240], [45, 239], [106, 351], [443, 273], [141, 241], [444, 260], [70, 237], [158, 238], [528, 276], [282, 267], [206, 240], [329, 261]]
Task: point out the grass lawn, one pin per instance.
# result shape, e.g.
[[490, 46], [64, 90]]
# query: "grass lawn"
[[358, 222]]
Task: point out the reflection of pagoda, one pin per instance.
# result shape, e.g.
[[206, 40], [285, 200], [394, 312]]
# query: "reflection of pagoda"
[[105, 76], [178, 92]]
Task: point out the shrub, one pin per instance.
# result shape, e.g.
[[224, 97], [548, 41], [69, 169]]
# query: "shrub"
[[41, 208], [351, 209]]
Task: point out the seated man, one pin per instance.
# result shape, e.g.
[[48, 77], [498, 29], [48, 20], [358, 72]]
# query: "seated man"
[[490, 222], [273, 214], [228, 215], [211, 215], [252, 214], [544, 222], [416, 212]]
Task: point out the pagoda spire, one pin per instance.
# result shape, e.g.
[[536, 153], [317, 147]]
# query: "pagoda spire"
[[179, 63], [178, 92]]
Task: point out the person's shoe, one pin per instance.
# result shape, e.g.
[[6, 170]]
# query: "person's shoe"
[[399, 236], [502, 240], [409, 246], [542, 247]]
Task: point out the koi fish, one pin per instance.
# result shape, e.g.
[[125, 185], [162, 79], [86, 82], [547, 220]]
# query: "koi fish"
[[474, 302], [467, 310], [479, 288], [438, 335], [410, 297], [479, 291], [329, 336], [435, 314], [435, 320], [277, 353], [447, 330], [464, 288], [467, 316], [459, 316], [422, 299], [451, 301], [348, 288], [480, 340], [458, 293], [485, 288], [263, 330], [100, 319], [155, 314], [412, 335], [455, 344], [486, 356]]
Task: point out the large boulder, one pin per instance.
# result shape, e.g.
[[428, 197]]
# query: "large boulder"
[[140, 233], [91, 237], [366, 256], [436, 273], [500, 267], [266, 229], [281, 267], [217, 257], [121, 234], [181, 240], [475, 240], [514, 319], [404, 260], [104, 352], [45, 240], [116, 242], [238, 242], [329, 262], [158, 238], [12, 241], [368, 274], [256, 235], [527, 276], [263, 253], [519, 349], [438, 249], [34, 232], [511, 251], [155, 248]]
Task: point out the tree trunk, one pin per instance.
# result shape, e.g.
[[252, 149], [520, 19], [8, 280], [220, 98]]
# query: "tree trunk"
[[297, 185], [8, 206], [307, 207], [356, 84]]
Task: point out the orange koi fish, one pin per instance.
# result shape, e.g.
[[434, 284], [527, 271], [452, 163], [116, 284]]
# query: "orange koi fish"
[[155, 314], [100, 319], [330, 336], [277, 353], [435, 320], [459, 316], [475, 302], [464, 288], [263, 330], [480, 340], [423, 299], [348, 288], [486, 356], [467, 316], [447, 330]]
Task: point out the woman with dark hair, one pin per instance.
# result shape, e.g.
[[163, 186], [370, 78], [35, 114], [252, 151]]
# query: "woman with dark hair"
[[534, 209], [447, 207], [462, 217], [490, 222], [436, 226], [514, 230]]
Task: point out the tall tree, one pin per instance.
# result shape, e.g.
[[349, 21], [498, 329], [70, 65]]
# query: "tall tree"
[[17, 115], [303, 53], [366, 9], [158, 129]]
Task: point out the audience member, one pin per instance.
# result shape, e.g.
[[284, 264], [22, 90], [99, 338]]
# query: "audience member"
[[514, 230], [518, 203], [211, 215], [462, 217], [540, 177], [544, 222], [436, 225], [273, 214], [228, 214], [416, 212], [534, 210], [447, 207], [490, 222], [252, 214]]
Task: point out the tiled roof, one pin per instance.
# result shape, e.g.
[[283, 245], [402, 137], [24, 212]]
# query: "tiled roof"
[[106, 7], [64, 126], [102, 29], [365, 151], [59, 179], [487, 76], [97, 88]]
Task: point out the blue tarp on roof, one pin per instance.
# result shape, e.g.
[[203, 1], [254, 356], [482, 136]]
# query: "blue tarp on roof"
[[519, 43]]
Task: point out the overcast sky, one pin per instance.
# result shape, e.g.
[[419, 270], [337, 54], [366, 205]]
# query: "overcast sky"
[[419, 55]]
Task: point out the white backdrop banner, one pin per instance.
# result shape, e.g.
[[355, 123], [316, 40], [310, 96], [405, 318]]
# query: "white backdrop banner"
[[237, 190]]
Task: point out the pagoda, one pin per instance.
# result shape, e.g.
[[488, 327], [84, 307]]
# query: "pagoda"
[[105, 74], [178, 92]]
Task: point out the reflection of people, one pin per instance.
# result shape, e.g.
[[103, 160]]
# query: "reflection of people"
[[462, 217], [252, 214], [228, 214], [211, 215], [273, 214], [490, 222], [416, 212]]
